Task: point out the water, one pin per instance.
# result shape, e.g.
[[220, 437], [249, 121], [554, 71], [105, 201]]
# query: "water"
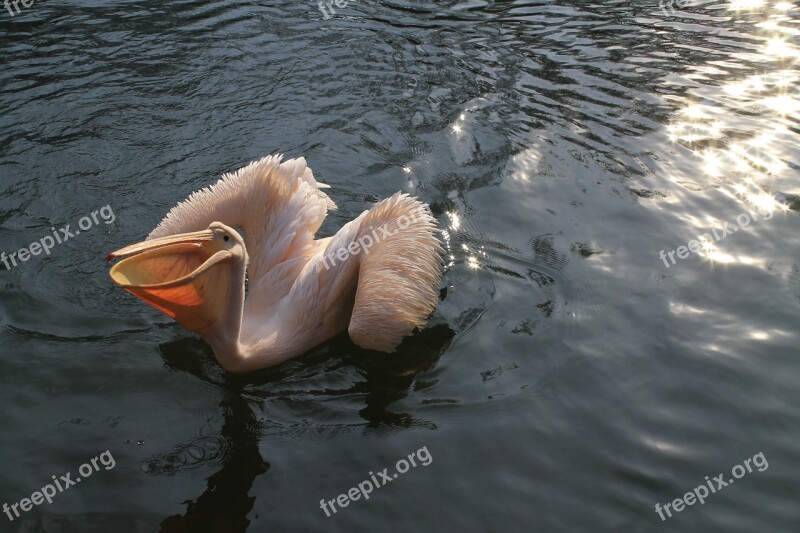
[[570, 380]]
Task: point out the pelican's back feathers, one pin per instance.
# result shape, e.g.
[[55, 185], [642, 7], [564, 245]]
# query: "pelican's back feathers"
[[279, 206], [398, 275]]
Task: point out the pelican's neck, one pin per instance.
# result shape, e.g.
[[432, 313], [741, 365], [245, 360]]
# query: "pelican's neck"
[[223, 335], [316, 309], [234, 349]]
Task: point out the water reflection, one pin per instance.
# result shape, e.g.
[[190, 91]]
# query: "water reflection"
[[225, 504], [378, 379], [743, 132]]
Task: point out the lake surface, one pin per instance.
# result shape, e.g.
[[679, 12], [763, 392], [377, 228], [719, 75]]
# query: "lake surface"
[[572, 377]]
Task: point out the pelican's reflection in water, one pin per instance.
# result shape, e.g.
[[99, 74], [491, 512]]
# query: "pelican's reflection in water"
[[389, 377], [226, 502]]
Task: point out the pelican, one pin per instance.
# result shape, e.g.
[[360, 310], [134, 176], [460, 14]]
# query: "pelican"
[[277, 292]]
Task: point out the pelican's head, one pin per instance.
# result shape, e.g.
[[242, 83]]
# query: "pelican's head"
[[184, 276]]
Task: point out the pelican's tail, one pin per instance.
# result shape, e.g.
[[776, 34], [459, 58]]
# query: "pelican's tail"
[[399, 272]]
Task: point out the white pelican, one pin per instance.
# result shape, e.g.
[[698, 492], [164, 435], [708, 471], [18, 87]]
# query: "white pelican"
[[377, 277]]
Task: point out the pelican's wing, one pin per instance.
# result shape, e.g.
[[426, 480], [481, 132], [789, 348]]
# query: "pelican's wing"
[[399, 266], [279, 206]]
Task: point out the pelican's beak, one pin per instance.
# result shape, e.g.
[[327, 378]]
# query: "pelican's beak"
[[183, 276]]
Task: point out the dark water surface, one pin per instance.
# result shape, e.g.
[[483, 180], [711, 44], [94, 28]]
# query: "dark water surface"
[[568, 381]]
